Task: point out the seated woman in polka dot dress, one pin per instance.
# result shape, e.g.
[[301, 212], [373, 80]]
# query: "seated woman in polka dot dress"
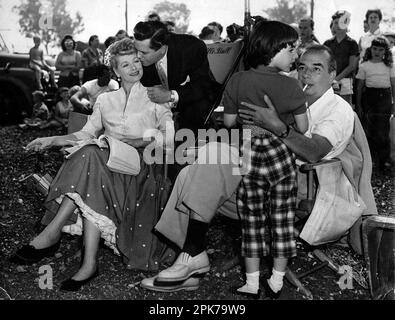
[[86, 197]]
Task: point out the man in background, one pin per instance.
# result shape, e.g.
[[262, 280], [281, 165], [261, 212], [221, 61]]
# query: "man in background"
[[306, 35]]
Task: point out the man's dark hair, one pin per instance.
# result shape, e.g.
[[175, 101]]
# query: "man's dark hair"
[[267, 39], [154, 30], [377, 11], [67, 37], [170, 25], [109, 41], [92, 38], [120, 32], [216, 24], [319, 48], [206, 33], [154, 17], [102, 70]]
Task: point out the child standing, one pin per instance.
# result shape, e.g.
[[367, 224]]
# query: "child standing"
[[267, 194], [377, 74]]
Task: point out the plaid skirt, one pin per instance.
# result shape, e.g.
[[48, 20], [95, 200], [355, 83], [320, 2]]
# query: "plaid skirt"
[[266, 199]]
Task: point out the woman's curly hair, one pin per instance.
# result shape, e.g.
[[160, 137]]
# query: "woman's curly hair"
[[118, 48], [383, 43]]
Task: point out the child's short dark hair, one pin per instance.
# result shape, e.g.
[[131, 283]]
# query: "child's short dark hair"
[[267, 39]]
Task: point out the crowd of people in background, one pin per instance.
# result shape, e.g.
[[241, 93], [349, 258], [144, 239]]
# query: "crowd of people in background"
[[354, 79]]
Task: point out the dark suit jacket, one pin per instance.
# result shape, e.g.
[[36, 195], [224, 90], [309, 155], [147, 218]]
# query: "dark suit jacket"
[[187, 57]]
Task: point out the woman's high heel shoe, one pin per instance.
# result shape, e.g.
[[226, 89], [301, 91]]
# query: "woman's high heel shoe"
[[28, 254], [75, 285]]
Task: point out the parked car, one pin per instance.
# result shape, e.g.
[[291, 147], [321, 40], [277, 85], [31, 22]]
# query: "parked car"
[[17, 83]]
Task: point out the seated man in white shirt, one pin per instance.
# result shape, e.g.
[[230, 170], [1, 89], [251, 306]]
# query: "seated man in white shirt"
[[84, 100], [201, 191]]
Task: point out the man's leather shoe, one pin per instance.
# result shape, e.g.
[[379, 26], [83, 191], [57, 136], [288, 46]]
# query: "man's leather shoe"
[[28, 254], [189, 284], [75, 285], [184, 267]]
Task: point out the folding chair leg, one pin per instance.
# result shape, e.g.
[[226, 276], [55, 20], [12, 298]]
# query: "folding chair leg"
[[324, 258], [293, 279]]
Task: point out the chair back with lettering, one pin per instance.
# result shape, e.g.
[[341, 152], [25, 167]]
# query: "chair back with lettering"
[[224, 60]]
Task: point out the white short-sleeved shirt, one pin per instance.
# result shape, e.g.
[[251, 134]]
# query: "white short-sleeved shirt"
[[94, 90], [333, 118], [376, 75]]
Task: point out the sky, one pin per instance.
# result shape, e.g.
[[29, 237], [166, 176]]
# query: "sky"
[[106, 17]]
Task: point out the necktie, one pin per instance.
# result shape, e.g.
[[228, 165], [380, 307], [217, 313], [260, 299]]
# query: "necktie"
[[162, 75]]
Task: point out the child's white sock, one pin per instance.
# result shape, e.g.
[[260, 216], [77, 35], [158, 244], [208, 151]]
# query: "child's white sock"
[[252, 283], [276, 280]]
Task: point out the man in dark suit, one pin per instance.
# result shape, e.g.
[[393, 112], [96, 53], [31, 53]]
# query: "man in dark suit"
[[176, 71]]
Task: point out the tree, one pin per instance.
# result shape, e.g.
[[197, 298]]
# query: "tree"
[[288, 11], [176, 12], [48, 19], [388, 21]]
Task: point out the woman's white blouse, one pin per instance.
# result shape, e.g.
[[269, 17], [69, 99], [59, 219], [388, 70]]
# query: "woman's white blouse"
[[136, 117]]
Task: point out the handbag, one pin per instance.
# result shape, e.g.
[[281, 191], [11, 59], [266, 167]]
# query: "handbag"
[[337, 207]]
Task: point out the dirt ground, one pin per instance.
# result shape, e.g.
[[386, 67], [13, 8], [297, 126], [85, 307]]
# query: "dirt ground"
[[21, 211]]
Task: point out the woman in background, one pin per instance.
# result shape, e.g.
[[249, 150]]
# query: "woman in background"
[[68, 62], [377, 76]]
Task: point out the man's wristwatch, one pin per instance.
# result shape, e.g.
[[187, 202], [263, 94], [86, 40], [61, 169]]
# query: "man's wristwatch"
[[172, 96], [285, 133]]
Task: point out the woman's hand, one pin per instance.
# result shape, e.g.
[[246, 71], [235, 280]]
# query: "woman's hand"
[[41, 143], [54, 141]]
